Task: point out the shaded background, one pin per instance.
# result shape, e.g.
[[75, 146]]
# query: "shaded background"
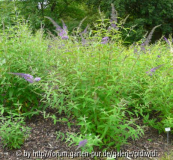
[[144, 14]]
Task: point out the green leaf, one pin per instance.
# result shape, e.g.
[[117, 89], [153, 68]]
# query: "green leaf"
[[104, 132], [11, 91]]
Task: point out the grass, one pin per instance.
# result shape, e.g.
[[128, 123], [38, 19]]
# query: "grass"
[[105, 87]]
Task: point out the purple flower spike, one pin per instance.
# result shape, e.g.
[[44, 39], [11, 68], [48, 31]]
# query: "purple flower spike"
[[63, 34], [148, 39], [153, 70], [83, 41], [105, 40], [37, 79], [82, 33], [114, 16], [49, 46], [85, 30], [27, 77], [167, 40], [158, 56], [62, 30], [143, 47], [82, 143], [64, 37]]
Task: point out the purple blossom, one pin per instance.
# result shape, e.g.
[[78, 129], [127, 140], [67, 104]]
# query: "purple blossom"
[[28, 77], [83, 40], [63, 34], [105, 40], [79, 26], [62, 31], [143, 47], [135, 50], [151, 71], [113, 25], [64, 26], [82, 33], [82, 143], [167, 40], [148, 39], [64, 37], [85, 30], [158, 56], [49, 46], [37, 79], [61, 46], [113, 21]]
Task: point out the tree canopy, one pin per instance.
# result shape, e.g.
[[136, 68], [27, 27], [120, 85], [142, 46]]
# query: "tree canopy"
[[144, 14]]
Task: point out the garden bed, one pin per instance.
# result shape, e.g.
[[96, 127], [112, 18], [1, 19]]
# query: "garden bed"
[[43, 137]]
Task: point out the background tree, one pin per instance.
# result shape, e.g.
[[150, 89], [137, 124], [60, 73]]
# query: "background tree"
[[8, 12], [71, 11], [146, 14]]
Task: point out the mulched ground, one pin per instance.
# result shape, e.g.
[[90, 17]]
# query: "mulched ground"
[[43, 138]]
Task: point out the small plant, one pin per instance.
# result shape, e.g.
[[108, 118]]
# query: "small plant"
[[60, 134], [149, 140], [19, 95], [12, 131], [84, 142]]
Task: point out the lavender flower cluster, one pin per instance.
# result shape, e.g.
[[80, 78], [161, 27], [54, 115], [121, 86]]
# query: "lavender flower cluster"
[[169, 43], [27, 77], [82, 144], [148, 39], [151, 71], [113, 22], [62, 32]]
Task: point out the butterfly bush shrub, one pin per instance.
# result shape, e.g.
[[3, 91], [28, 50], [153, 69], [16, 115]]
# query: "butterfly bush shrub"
[[83, 142], [108, 87], [90, 81], [88, 90], [149, 91]]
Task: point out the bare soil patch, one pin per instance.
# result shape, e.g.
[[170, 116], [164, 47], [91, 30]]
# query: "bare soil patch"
[[43, 138]]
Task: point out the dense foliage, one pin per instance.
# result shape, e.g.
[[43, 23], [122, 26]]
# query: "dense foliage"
[[89, 75]]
